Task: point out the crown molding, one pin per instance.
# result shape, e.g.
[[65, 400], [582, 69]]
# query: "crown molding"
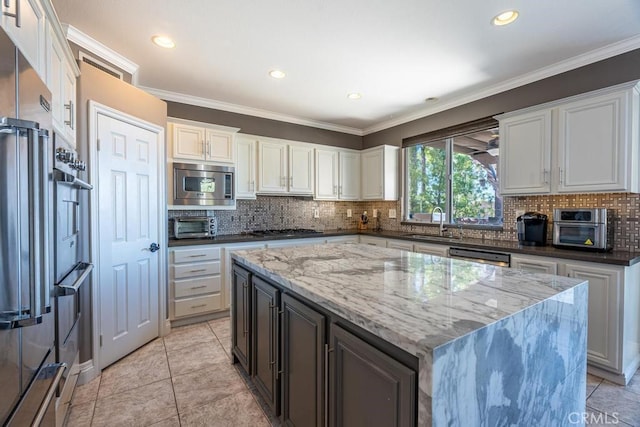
[[250, 111], [552, 70], [106, 53]]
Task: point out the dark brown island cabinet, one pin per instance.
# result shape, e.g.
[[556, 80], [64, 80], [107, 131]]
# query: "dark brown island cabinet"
[[241, 303], [313, 368]]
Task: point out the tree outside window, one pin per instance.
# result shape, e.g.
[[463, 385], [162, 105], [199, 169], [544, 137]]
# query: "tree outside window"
[[457, 174]]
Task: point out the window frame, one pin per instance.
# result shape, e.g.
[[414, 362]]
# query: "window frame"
[[449, 151]]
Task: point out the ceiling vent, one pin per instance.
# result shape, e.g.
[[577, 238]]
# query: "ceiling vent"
[[100, 65]]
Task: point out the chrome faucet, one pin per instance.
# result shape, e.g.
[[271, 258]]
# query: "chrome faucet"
[[442, 227]]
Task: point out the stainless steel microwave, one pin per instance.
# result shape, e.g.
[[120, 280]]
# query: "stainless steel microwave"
[[587, 228], [203, 185]]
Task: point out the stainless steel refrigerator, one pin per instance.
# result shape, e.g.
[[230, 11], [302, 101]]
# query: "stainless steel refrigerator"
[[28, 374]]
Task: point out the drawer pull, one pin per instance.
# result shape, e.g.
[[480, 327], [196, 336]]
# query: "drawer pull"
[[198, 271], [197, 256], [199, 306], [198, 287]]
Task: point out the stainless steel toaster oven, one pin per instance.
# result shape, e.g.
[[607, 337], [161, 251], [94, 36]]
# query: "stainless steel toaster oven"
[[587, 228], [194, 227]]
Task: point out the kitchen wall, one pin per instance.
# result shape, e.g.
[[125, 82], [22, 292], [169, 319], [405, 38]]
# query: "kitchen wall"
[[618, 69], [277, 212], [98, 86]]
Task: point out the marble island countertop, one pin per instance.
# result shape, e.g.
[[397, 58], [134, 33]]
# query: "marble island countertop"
[[409, 299], [495, 346]]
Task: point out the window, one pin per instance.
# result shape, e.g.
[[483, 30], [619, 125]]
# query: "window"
[[457, 174]]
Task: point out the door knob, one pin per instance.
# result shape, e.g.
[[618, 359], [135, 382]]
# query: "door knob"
[[154, 247]]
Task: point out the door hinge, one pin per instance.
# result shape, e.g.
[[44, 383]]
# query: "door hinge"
[[101, 340], [98, 143]]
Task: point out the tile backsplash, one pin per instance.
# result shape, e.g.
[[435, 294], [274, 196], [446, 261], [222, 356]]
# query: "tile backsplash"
[[277, 212]]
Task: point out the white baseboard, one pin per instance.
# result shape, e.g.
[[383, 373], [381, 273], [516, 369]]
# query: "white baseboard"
[[87, 372], [166, 329]]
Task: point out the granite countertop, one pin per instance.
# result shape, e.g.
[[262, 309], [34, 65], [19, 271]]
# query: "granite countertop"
[[615, 257], [412, 300]]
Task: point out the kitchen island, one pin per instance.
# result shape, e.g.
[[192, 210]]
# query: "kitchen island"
[[492, 346]]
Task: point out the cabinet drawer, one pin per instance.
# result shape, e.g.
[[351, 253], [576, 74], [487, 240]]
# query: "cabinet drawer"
[[197, 254], [199, 286], [186, 271], [191, 306]]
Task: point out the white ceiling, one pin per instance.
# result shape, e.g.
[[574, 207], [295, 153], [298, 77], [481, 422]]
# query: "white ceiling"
[[395, 53]]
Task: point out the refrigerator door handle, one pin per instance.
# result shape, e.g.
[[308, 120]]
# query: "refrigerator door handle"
[[31, 314], [63, 289], [38, 276], [51, 392]]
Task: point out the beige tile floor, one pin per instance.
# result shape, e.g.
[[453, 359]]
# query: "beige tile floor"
[[186, 379], [610, 404], [183, 379]]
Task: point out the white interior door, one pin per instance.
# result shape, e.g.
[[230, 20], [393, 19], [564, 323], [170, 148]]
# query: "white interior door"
[[128, 216]]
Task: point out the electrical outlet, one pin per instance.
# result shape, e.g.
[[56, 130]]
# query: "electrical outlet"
[[375, 213], [392, 213], [316, 212], [519, 212], [349, 213]]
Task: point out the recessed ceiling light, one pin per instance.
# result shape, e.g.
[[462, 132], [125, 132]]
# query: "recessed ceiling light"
[[163, 41], [505, 18], [277, 74], [354, 95]]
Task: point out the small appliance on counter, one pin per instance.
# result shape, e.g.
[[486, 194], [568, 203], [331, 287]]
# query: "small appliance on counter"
[[194, 227], [583, 228], [532, 229]]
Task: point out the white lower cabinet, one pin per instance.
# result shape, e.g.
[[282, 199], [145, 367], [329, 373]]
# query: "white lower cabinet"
[[605, 312], [534, 264], [431, 249], [400, 244], [195, 286]]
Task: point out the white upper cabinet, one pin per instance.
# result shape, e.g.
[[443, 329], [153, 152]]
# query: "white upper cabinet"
[[202, 142], [285, 168], [380, 173], [301, 169], [27, 30], [245, 167], [60, 77], [595, 143], [61, 80], [219, 146], [349, 176], [55, 72], [273, 176], [337, 174], [326, 174], [525, 153], [582, 144]]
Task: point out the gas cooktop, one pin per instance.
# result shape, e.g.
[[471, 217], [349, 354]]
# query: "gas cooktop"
[[285, 232]]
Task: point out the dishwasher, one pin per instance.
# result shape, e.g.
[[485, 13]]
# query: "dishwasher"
[[479, 255]]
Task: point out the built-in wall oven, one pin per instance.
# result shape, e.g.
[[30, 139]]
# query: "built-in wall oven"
[[70, 271]]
